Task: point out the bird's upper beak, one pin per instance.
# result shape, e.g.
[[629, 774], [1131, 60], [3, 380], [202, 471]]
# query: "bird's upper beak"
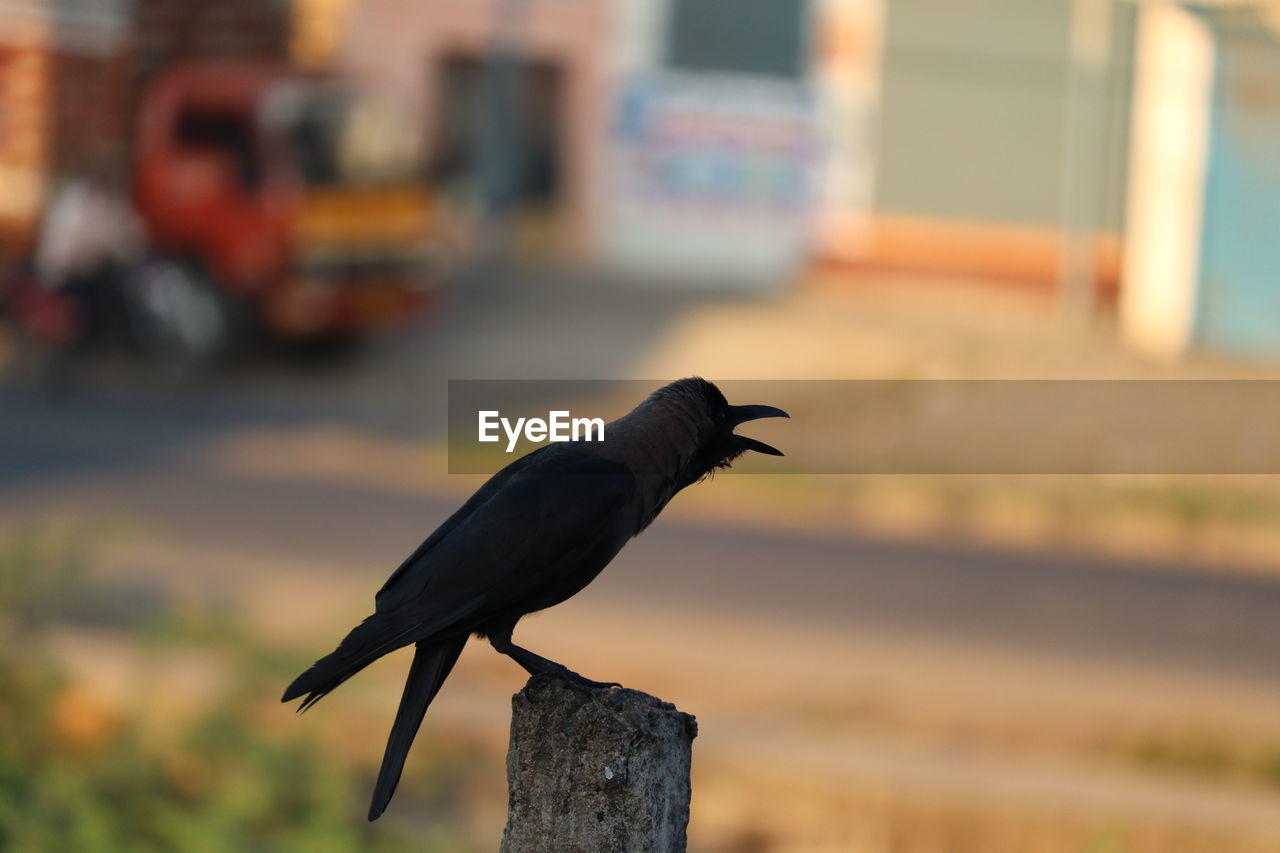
[[742, 414]]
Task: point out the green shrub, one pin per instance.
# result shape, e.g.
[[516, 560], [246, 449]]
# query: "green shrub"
[[75, 776]]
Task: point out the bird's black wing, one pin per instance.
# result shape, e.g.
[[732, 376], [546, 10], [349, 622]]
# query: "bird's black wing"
[[481, 496], [541, 519], [524, 537]]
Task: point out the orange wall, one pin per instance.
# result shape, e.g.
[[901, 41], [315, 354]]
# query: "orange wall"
[[1013, 253]]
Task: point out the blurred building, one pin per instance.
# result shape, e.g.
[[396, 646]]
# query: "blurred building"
[[525, 129], [59, 63], [1205, 184], [1099, 146], [673, 140], [667, 139], [1124, 149], [682, 139], [974, 153]]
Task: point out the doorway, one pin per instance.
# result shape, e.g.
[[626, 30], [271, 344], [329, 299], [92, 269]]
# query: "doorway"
[[497, 146]]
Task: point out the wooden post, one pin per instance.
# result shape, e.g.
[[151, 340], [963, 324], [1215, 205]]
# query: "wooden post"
[[596, 771]]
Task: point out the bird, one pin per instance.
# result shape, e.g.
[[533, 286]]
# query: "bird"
[[535, 534]]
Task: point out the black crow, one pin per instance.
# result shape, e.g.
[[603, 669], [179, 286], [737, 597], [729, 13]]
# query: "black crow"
[[534, 535]]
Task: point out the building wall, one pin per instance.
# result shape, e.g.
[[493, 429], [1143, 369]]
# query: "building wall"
[[1204, 199], [318, 28], [673, 170], [847, 56], [1238, 303], [400, 46], [70, 72], [973, 109], [167, 30], [972, 128], [1170, 144], [23, 134], [61, 65]]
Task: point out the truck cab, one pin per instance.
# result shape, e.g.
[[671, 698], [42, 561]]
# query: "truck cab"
[[283, 199]]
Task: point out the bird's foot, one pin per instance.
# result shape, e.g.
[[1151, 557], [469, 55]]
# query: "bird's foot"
[[538, 665], [563, 672]]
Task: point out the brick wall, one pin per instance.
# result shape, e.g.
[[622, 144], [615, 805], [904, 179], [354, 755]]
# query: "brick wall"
[[168, 30], [23, 138], [89, 111], [68, 96]]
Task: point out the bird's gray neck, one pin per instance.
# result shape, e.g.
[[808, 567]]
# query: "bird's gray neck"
[[657, 445]]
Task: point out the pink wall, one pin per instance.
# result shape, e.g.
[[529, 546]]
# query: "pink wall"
[[398, 45]]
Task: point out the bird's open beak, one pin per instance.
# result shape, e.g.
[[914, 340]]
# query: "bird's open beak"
[[742, 414]]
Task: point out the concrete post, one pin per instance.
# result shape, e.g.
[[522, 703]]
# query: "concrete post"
[[596, 771]]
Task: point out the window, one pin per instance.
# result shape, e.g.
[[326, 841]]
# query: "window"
[[226, 132], [764, 37]]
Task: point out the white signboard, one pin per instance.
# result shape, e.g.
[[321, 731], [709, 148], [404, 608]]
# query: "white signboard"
[[711, 178]]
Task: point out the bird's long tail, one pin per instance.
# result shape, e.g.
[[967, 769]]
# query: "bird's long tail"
[[368, 641], [432, 663]]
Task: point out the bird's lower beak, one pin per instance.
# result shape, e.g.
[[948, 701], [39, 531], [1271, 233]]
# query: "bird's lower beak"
[[742, 414]]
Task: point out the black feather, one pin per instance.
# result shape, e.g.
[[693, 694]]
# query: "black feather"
[[431, 666]]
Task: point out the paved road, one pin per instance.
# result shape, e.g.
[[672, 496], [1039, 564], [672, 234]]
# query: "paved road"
[[1053, 604], [129, 451]]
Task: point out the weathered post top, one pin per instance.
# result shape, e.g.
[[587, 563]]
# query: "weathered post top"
[[596, 771]]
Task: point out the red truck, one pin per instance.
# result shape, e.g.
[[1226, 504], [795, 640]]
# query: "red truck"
[[274, 199], [272, 202]]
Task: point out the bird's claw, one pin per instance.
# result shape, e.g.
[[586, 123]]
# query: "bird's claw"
[[569, 675]]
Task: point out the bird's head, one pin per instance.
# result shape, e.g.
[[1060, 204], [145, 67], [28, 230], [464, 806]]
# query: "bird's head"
[[713, 421]]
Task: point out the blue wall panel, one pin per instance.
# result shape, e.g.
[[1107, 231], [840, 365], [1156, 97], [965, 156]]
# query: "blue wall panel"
[[1238, 302]]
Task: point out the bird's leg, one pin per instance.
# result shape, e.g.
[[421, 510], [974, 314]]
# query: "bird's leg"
[[536, 664]]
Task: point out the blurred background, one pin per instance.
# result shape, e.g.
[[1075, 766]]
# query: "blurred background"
[[246, 244]]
